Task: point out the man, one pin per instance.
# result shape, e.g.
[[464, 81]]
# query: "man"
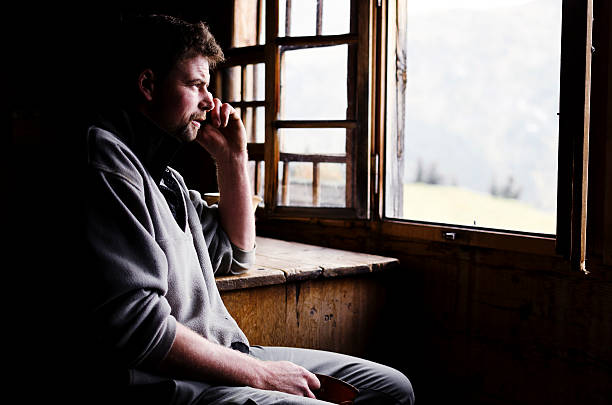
[[155, 246]]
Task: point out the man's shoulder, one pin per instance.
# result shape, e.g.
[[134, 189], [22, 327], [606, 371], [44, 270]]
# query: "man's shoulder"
[[108, 153]]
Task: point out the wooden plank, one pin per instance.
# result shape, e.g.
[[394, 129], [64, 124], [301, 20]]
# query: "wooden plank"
[[248, 104], [379, 112], [244, 55], [256, 151], [315, 124], [293, 270], [581, 165], [315, 184], [289, 42], [310, 259], [287, 17], [395, 119], [340, 315], [602, 61], [296, 157], [572, 110], [261, 313], [319, 23], [272, 106], [363, 111], [256, 277]]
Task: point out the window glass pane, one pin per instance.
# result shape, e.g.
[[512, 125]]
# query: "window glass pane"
[[336, 17], [296, 186], [299, 20], [246, 22], [260, 125], [313, 83], [313, 140], [249, 23], [481, 128], [332, 185], [247, 120], [231, 78], [257, 183], [259, 79]]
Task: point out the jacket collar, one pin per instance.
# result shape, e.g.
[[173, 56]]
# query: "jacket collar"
[[152, 145]]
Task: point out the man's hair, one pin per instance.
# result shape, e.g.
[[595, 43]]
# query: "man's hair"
[[158, 42]]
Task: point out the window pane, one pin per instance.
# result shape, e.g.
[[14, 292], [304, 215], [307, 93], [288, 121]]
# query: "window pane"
[[254, 83], [313, 140], [295, 184], [313, 83], [257, 175], [260, 124], [231, 78], [336, 17], [247, 120], [301, 20], [481, 129], [332, 185], [296, 187], [248, 23]]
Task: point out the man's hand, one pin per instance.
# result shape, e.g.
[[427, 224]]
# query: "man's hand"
[[224, 137], [223, 134], [194, 357], [288, 377]]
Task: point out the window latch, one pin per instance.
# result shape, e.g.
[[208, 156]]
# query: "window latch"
[[449, 235]]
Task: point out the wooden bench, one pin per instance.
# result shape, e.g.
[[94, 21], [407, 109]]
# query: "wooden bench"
[[309, 296]]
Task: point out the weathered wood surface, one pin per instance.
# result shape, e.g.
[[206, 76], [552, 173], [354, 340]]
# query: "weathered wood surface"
[[280, 261], [257, 277], [309, 296], [340, 315]]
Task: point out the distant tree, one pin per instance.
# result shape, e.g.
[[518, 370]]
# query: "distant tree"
[[433, 177], [420, 175], [509, 190], [429, 177]]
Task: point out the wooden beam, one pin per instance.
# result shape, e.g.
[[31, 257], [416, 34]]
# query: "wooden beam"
[[272, 105], [574, 110], [316, 41], [319, 29], [315, 184], [315, 124], [241, 56], [298, 157]]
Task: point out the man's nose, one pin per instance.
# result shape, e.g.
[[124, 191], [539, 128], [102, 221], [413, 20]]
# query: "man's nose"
[[207, 102]]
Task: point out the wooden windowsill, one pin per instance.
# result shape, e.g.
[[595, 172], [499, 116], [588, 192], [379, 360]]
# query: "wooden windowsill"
[[279, 262]]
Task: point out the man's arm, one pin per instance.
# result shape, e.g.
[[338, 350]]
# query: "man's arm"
[[224, 137], [194, 357]]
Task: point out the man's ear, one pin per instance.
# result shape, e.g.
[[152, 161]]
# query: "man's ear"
[[146, 84]]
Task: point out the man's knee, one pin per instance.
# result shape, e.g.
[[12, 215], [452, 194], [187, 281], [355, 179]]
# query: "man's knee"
[[386, 385], [402, 388]]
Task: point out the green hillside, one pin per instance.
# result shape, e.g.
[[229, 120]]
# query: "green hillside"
[[454, 205]]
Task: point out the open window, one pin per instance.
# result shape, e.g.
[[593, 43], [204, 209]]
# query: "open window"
[[299, 73], [487, 122], [461, 122]]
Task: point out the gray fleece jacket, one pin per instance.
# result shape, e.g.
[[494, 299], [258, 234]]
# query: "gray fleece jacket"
[[153, 261]]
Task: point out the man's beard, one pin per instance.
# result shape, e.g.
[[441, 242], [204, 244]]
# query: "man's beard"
[[186, 133]]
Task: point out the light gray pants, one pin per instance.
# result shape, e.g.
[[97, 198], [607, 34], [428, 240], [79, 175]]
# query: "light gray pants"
[[377, 384]]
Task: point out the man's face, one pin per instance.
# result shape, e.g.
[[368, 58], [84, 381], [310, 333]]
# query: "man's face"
[[181, 100]]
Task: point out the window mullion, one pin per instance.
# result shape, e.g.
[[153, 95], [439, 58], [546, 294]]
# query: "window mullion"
[[272, 59]]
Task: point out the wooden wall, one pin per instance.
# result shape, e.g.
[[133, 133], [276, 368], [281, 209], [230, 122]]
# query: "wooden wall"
[[337, 314], [490, 326], [465, 324]]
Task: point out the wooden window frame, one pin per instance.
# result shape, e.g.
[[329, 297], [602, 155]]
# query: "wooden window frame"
[[374, 38], [569, 240], [357, 122]]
